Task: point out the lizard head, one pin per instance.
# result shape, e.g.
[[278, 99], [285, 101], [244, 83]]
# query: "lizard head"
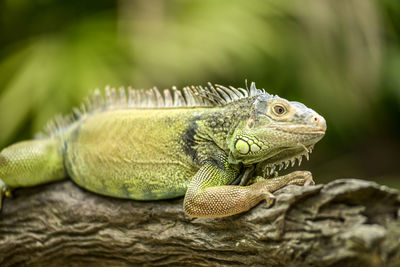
[[277, 132]]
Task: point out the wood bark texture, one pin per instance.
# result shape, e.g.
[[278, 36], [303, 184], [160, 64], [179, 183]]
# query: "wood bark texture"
[[347, 222]]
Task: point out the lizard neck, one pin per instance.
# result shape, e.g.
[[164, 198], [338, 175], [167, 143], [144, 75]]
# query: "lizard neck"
[[217, 126]]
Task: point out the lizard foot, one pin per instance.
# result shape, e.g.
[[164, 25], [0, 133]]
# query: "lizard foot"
[[271, 185], [300, 178], [4, 192], [269, 199], [294, 178]]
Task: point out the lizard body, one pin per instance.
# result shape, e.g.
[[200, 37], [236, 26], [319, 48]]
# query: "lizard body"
[[205, 145]]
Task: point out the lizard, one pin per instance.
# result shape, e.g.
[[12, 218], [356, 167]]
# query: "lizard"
[[218, 147]]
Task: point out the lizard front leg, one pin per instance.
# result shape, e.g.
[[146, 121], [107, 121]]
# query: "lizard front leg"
[[210, 195]]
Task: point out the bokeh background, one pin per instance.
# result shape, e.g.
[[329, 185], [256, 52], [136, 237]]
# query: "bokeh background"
[[342, 58]]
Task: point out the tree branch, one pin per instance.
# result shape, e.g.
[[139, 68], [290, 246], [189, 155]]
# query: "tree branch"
[[347, 222]]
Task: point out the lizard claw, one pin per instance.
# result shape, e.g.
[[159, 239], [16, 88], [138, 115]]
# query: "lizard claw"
[[270, 199], [309, 182]]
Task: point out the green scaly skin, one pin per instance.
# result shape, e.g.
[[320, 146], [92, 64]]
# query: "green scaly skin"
[[200, 152]]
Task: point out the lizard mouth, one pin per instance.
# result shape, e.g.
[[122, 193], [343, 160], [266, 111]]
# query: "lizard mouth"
[[300, 129], [287, 158]]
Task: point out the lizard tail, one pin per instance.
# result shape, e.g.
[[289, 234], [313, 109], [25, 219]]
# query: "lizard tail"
[[32, 162]]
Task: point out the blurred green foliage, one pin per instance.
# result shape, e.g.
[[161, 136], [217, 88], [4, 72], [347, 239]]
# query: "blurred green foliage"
[[341, 58]]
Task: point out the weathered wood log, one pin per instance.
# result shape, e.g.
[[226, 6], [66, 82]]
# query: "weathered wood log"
[[347, 222]]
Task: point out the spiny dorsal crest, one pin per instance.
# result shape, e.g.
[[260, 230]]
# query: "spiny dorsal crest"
[[190, 96], [193, 96]]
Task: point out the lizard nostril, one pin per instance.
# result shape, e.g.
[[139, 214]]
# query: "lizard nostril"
[[319, 122]]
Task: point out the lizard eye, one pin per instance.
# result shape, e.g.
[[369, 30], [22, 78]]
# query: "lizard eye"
[[279, 110]]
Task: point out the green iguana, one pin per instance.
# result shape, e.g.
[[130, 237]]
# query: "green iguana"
[[215, 145]]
